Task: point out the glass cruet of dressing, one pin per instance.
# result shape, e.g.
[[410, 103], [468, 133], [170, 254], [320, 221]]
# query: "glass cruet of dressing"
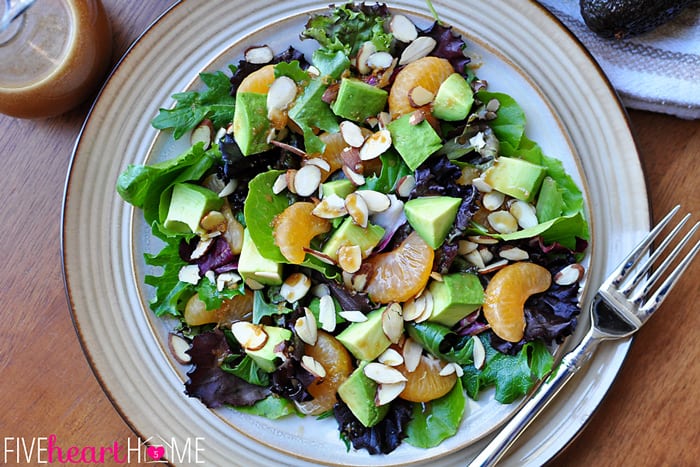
[[53, 55]]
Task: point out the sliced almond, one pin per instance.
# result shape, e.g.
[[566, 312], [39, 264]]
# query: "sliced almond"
[[447, 370], [405, 185], [503, 222], [413, 309], [320, 163], [280, 184], [412, 352], [259, 55], [357, 208], [387, 392], [481, 185], [483, 239], [291, 175], [203, 133], [376, 200], [349, 258], [250, 336], [359, 282], [326, 313], [313, 366], [330, 207], [569, 275], [513, 254], [305, 327], [380, 61], [189, 274], [475, 258], [524, 213], [392, 322], [179, 347], [351, 133], [384, 119], [295, 287], [427, 297], [375, 145], [478, 353], [351, 158], [403, 28], [419, 48], [493, 267], [229, 188], [353, 316], [390, 357], [465, 246], [486, 254], [419, 96], [357, 179], [282, 92], [201, 248], [493, 200], [307, 180], [383, 374], [417, 116], [363, 54], [320, 290], [225, 279]]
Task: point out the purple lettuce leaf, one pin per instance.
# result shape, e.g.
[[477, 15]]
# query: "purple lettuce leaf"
[[383, 437], [450, 46], [209, 383]]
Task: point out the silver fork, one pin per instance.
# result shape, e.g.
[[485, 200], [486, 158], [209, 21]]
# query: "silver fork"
[[621, 306]]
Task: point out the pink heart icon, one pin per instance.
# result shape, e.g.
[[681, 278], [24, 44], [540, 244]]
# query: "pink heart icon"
[[155, 452]]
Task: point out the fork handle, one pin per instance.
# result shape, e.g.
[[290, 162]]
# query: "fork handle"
[[556, 380]]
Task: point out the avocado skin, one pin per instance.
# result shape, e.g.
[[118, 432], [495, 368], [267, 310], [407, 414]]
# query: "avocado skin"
[[622, 18]]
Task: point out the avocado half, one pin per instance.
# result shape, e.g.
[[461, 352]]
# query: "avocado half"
[[622, 18]]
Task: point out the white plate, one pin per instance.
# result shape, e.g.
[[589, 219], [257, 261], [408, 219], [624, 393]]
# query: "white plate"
[[572, 112]]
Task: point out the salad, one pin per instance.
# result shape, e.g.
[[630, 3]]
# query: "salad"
[[364, 232]]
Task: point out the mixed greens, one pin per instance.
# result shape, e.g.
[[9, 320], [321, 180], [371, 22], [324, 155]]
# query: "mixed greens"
[[365, 233]]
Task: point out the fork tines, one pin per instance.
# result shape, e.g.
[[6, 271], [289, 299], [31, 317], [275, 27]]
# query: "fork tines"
[[633, 288]]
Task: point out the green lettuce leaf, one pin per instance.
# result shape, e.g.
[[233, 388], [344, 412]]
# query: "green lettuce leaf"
[[436, 420], [311, 114], [214, 103], [348, 26], [170, 294]]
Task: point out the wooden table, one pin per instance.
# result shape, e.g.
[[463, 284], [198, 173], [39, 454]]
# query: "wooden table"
[[650, 417]]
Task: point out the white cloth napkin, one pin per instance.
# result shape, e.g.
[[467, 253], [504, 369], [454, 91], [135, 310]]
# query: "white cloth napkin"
[[657, 71]]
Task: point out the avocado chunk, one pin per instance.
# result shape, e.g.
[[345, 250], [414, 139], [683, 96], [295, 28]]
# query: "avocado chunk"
[[457, 296], [358, 392], [415, 143], [251, 126], [454, 99], [267, 358], [341, 188], [350, 233], [366, 339], [550, 202], [515, 177], [188, 204], [252, 265], [432, 217], [358, 100]]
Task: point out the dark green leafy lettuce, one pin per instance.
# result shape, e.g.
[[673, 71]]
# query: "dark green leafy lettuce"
[[437, 420], [214, 103], [512, 375], [348, 26]]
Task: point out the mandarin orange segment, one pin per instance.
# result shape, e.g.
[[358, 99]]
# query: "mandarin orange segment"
[[336, 360], [240, 307], [294, 228], [425, 383], [399, 275], [505, 296], [258, 81], [427, 72]]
